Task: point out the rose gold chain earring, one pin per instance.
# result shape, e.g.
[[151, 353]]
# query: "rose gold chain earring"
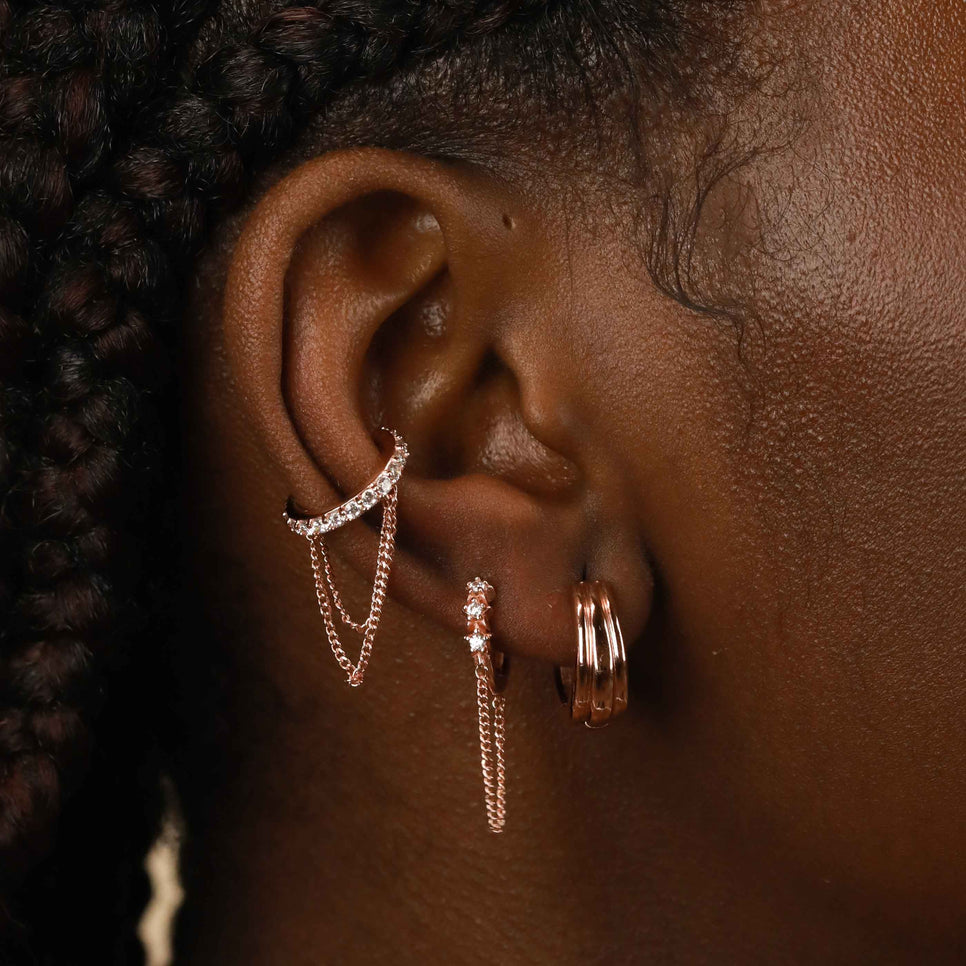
[[598, 691], [490, 668], [381, 490]]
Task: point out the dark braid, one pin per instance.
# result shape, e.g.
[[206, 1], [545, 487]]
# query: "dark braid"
[[70, 75], [116, 157]]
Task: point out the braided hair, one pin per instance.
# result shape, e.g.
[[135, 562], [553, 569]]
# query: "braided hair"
[[128, 128]]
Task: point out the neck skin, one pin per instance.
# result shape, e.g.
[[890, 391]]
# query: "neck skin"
[[341, 825], [347, 826]]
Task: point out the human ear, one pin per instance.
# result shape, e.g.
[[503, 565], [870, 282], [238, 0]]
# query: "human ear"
[[371, 287]]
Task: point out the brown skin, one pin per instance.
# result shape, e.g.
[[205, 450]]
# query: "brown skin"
[[785, 527]]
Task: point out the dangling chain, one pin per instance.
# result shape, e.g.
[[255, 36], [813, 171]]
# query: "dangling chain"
[[328, 595], [491, 706], [382, 489]]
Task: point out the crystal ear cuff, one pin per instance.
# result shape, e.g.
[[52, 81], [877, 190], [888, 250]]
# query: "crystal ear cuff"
[[382, 489]]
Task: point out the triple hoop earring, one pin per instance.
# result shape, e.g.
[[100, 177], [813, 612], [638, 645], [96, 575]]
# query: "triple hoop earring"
[[490, 668], [598, 691], [383, 490]]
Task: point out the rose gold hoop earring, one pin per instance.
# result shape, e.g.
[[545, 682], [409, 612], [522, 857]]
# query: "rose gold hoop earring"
[[381, 490], [490, 668], [598, 692]]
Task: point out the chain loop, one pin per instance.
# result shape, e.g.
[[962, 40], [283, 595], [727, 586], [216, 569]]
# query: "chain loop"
[[382, 489], [328, 595]]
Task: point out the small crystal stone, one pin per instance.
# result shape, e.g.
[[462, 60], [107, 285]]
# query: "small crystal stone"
[[477, 642], [475, 609], [478, 586]]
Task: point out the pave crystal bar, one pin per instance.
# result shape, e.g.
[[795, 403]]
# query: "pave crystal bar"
[[377, 490]]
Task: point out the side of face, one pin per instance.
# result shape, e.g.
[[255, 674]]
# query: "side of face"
[[799, 481], [779, 501]]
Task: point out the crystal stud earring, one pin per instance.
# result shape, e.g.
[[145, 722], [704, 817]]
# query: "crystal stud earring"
[[382, 489]]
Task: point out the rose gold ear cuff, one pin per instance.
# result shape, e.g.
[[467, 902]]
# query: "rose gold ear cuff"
[[382, 489], [598, 692], [491, 704]]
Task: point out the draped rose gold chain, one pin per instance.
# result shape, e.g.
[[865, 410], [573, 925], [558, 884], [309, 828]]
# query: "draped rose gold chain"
[[381, 490], [492, 745], [328, 595]]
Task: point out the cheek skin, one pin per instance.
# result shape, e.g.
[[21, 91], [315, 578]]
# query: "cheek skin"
[[805, 500], [862, 430]]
